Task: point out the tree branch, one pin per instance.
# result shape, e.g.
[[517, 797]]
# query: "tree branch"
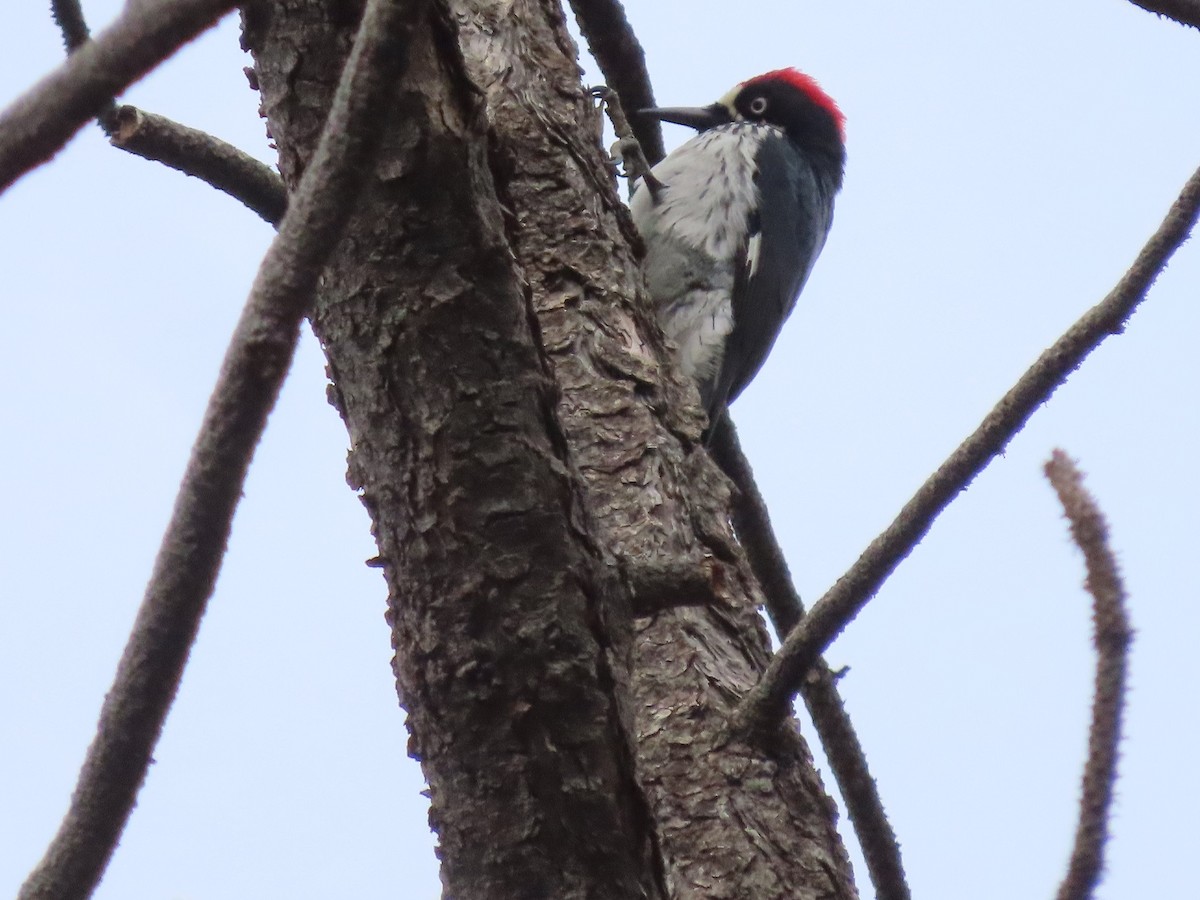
[[201, 155], [1185, 12], [68, 15], [752, 522], [255, 365], [1113, 636], [187, 150], [770, 697], [623, 62], [44, 118]]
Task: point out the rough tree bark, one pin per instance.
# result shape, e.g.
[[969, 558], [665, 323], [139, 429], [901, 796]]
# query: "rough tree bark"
[[530, 468]]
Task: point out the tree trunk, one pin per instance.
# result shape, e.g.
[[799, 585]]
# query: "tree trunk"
[[572, 618]]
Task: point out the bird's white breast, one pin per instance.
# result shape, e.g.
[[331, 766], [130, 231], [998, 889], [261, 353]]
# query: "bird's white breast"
[[694, 230], [709, 190]]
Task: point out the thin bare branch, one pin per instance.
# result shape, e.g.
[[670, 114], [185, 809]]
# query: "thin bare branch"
[[255, 365], [752, 522], [44, 118], [68, 15], [876, 838], [1112, 637], [201, 155], [1185, 12], [623, 62], [187, 150], [769, 699]]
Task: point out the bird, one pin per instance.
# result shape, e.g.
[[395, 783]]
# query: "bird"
[[733, 221]]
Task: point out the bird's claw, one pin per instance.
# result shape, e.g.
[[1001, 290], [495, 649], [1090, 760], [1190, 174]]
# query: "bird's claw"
[[627, 150]]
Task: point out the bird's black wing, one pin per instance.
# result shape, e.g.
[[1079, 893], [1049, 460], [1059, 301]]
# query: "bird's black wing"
[[787, 232]]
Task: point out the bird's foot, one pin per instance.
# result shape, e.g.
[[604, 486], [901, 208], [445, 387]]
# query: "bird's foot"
[[626, 152]]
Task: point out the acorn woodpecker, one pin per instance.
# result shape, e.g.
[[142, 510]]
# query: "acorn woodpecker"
[[733, 221]]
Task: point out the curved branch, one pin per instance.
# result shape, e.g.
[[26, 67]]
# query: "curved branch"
[[201, 155], [1113, 636], [38, 123], [770, 697], [623, 62], [187, 150], [752, 522], [1185, 12], [68, 15], [255, 365]]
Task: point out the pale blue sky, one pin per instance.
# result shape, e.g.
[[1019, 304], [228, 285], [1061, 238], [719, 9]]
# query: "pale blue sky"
[[1006, 162]]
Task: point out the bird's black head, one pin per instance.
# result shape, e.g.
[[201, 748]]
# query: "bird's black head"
[[785, 98], [790, 100]]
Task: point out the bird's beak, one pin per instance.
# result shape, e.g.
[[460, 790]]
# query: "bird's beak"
[[698, 117]]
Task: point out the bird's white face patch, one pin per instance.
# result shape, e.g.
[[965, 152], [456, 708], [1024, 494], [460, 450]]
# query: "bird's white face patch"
[[729, 101]]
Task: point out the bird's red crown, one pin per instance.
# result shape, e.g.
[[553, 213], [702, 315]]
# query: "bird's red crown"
[[808, 86]]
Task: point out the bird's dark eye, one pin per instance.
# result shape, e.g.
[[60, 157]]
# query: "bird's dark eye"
[[758, 106]]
